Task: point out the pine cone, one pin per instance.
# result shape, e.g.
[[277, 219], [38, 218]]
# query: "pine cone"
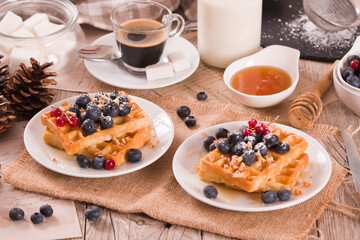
[[26, 90], [6, 115], [4, 74]]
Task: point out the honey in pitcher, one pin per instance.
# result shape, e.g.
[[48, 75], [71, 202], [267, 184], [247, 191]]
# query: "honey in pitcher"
[[261, 80]]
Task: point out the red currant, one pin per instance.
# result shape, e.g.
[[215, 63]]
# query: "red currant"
[[55, 112], [246, 132], [60, 121], [266, 131], [109, 164], [259, 128], [252, 123], [355, 64], [74, 121]]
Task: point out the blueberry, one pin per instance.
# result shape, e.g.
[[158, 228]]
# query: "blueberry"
[[221, 133], [282, 147], [93, 112], [83, 117], [223, 146], [82, 100], [239, 148], [249, 157], [258, 136], [202, 96], [16, 214], [93, 213], [190, 121], [352, 57], [88, 127], [83, 161], [99, 94], [133, 155], [114, 94], [346, 72], [241, 129], [111, 109], [261, 148], [46, 210], [271, 139], [353, 81], [235, 137], [183, 111], [210, 191], [268, 196], [212, 147], [208, 141], [284, 194], [124, 109], [106, 122], [250, 139], [75, 109], [98, 162], [37, 218], [123, 98]]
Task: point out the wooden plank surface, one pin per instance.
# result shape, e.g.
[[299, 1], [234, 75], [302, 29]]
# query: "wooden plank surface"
[[115, 225]]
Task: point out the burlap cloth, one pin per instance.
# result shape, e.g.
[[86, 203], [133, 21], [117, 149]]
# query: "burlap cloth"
[[154, 190]]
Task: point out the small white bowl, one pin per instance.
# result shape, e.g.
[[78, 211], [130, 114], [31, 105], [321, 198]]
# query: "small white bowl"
[[355, 50], [282, 57], [350, 97]]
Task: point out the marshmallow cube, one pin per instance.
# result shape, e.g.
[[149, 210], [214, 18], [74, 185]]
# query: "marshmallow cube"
[[179, 61], [34, 20], [10, 23], [159, 71], [22, 32], [45, 28]]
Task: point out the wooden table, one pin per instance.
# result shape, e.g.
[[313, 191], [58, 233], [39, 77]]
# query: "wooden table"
[[115, 225]]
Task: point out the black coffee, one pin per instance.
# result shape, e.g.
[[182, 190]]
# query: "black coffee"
[[140, 50]]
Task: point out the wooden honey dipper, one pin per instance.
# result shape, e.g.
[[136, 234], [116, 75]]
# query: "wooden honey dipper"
[[306, 109]]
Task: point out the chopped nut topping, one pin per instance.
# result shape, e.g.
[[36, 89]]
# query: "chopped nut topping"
[[123, 140], [306, 184], [269, 159], [238, 174], [100, 153], [249, 145], [242, 167], [298, 191], [153, 143], [116, 141], [70, 113]]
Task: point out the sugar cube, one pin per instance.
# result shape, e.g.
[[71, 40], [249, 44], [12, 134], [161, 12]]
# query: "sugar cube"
[[10, 22], [19, 55], [61, 52], [22, 32], [34, 20], [45, 28], [159, 71], [179, 61]]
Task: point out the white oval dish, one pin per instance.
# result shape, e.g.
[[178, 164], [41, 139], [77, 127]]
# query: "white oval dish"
[[349, 95], [66, 164], [187, 156], [355, 50], [282, 57]]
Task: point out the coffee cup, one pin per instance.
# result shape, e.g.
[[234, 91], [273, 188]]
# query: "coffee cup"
[[141, 29]]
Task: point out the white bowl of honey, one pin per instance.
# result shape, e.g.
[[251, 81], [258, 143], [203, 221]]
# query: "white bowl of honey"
[[265, 78]]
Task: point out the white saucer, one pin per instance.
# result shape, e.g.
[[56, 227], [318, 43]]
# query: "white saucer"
[[66, 164], [115, 74], [187, 156]]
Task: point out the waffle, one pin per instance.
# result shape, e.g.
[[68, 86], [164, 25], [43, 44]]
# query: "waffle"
[[74, 141], [114, 149], [269, 172]]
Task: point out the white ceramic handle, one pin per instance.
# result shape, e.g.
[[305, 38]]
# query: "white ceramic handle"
[[180, 24]]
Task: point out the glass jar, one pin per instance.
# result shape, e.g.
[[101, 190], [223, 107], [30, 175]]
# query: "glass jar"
[[59, 46]]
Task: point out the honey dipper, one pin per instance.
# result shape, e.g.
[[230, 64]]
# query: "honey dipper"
[[307, 107]]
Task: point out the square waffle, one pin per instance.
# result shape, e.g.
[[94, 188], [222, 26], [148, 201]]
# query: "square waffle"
[[114, 149], [74, 141], [266, 173]]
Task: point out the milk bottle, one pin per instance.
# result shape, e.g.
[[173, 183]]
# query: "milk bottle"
[[228, 30]]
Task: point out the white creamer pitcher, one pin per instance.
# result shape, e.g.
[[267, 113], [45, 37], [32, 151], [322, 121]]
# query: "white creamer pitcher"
[[228, 30]]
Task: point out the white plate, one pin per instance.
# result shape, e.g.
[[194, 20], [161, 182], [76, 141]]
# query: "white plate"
[[115, 74], [66, 164], [186, 158]]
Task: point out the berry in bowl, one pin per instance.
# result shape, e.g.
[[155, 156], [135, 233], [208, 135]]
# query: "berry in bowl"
[[265, 78]]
